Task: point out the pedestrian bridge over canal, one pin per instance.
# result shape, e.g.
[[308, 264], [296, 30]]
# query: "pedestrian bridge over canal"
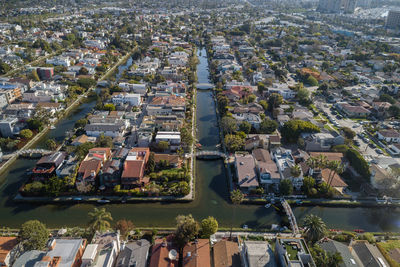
[[210, 154]]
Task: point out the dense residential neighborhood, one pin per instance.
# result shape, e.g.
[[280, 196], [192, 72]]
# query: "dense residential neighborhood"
[[199, 133]]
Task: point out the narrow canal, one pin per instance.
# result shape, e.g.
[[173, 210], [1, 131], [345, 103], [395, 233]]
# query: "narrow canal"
[[212, 195]]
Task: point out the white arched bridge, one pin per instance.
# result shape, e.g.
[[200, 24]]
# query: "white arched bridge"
[[208, 154], [204, 86], [291, 217]]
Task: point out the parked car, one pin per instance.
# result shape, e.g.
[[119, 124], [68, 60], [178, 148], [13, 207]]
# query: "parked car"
[[372, 145], [378, 151], [357, 143]]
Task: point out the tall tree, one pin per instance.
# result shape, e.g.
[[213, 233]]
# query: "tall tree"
[[295, 171], [34, 235], [124, 226], [100, 219], [286, 187], [209, 226], [151, 164], [335, 167], [187, 229], [315, 228]]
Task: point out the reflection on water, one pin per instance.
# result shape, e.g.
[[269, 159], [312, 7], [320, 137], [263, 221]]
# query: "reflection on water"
[[211, 191]]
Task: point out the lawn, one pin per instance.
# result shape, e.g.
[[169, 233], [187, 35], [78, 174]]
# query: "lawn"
[[386, 247], [292, 253]]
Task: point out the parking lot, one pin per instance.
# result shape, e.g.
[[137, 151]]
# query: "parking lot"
[[365, 147]]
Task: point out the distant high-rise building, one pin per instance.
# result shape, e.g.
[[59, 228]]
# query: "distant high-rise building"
[[329, 6], [393, 19], [349, 6], [364, 3]]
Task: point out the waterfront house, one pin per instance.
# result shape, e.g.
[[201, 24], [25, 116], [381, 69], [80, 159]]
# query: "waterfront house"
[[134, 168], [332, 246], [326, 175], [246, 172], [267, 169], [226, 254], [91, 165], [64, 253], [46, 167], [88, 171], [285, 162], [171, 160], [366, 254], [103, 250], [292, 252], [258, 254], [160, 252], [197, 253], [7, 243], [110, 173], [133, 254], [29, 258]]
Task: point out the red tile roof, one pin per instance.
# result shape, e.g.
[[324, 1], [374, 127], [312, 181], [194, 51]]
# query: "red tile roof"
[[160, 252], [7, 243], [197, 254], [226, 254], [88, 167], [133, 169], [336, 180]]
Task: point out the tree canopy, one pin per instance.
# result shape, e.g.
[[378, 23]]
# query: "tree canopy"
[[34, 235], [293, 129]]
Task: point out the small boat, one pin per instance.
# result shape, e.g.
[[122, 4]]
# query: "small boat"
[[359, 231], [77, 199], [52, 127], [103, 201], [267, 206], [198, 146]]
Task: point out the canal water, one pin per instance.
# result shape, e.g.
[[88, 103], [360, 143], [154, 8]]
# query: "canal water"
[[212, 195]]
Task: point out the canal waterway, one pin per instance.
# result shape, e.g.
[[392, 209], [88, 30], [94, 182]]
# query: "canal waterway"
[[212, 194]]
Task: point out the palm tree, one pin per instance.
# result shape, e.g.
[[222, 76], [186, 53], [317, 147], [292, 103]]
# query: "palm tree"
[[312, 162], [100, 219], [236, 198], [336, 167], [295, 171], [315, 228], [322, 161]]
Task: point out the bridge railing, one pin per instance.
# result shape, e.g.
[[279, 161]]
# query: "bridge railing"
[[211, 153], [291, 217]]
